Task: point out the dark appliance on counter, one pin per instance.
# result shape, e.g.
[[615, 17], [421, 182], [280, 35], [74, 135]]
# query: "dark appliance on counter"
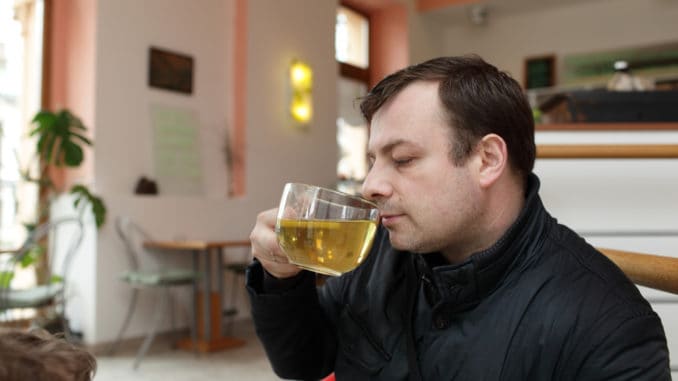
[[603, 106]]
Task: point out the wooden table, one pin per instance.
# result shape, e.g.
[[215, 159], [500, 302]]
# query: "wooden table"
[[207, 302]]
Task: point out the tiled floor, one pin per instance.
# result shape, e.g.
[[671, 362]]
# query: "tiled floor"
[[164, 364]]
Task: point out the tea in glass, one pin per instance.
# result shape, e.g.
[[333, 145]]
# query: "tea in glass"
[[323, 230]]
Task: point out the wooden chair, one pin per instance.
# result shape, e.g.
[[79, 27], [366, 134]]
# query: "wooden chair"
[[654, 271]]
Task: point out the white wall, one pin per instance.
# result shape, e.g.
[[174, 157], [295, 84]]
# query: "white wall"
[[278, 32], [426, 37]]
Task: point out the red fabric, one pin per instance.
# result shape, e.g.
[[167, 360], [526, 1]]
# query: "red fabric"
[[329, 378]]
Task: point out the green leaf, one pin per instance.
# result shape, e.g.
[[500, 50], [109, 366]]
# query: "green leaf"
[[48, 143], [78, 188], [30, 227], [6, 278], [73, 154], [45, 120], [77, 123], [82, 138], [63, 121], [99, 211], [83, 194], [54, 279], [40, 144], [31, 256]]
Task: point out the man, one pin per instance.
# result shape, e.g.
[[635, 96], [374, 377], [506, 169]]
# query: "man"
[[469, 277]]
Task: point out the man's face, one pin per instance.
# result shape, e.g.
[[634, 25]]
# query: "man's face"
[[426, 202]]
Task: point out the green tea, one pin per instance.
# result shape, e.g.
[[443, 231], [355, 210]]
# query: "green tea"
[[329, 247]]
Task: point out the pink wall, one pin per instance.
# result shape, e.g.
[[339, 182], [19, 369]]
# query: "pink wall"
[[388, 41], [389, 35], [72, 66], [72, 57]]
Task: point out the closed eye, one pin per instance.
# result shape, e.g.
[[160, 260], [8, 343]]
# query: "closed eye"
[[403, 161]]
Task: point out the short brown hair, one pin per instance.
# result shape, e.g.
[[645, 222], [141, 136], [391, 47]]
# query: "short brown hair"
[[39, 356], [479, 99]]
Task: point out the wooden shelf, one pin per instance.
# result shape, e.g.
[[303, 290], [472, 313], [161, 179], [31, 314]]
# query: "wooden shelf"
[[607, 126], [607, 151]]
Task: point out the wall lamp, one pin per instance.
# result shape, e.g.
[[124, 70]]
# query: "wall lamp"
[[301, 85]]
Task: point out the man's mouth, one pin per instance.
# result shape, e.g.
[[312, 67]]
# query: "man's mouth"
[[389, 219]]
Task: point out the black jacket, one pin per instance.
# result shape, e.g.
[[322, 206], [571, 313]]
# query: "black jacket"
[[541, 304]]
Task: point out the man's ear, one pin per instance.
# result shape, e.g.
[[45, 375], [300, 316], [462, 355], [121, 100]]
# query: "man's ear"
[[491, 150]]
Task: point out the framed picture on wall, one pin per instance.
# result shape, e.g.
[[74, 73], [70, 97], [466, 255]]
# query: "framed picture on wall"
[[170, 70], [540, 72]]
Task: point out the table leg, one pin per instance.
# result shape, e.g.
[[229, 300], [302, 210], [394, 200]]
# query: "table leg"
[[220, 284], [207, 305], [196, 295], [207, 294]]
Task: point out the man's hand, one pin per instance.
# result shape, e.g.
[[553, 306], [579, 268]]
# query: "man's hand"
[[266, 249]]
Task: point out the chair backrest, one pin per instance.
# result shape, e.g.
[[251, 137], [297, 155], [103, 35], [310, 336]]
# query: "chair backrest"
[[132, 236], [54, 231], [46, 230]]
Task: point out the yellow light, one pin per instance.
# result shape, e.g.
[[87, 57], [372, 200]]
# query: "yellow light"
[[301, 108], [301, 76], [301, 86]]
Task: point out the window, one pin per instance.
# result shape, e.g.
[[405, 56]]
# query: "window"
[[352, 54], [351, 38], [21, 35]]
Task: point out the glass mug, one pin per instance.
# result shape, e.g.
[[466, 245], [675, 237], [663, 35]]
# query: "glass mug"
[[323, 230]]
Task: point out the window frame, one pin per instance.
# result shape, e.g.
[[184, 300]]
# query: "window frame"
[[351, 71]]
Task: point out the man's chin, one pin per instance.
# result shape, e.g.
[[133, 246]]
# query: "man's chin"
[[398, 243]]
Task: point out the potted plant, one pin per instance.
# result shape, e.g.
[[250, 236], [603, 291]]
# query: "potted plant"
[[59, 145]]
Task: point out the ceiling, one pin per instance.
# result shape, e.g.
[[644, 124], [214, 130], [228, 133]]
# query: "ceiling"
[[460, 12], [496, 7]]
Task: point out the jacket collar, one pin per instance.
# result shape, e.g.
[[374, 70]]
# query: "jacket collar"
[[461, 286]]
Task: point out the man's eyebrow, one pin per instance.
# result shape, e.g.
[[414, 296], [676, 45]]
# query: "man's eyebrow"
[[391, 145]]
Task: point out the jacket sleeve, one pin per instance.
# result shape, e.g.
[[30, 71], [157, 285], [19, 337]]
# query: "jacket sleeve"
[[632, 349], [297, 335]]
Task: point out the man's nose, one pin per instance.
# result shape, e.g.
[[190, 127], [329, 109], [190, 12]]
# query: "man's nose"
[[376, 186]]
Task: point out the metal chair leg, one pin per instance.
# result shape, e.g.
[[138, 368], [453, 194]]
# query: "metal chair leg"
[[60, 308], [151, 335], [171, 310], [66, 329], [125, 324]]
